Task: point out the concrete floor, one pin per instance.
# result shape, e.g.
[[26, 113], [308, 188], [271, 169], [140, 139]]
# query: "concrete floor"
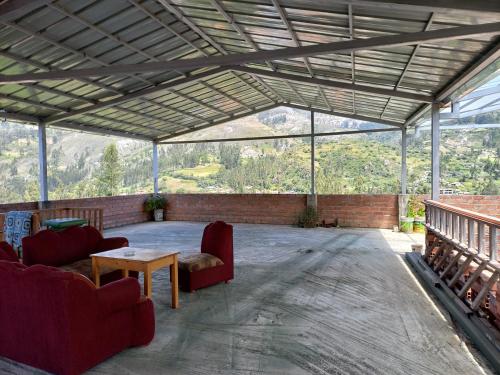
[[304, 301]]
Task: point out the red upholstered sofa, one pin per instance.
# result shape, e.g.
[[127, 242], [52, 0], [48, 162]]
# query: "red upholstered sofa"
[[70, 250], [59, 322], [7, 252], [218, 241]]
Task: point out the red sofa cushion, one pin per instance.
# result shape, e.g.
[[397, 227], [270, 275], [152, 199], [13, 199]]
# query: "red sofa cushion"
[[59, 322], [7, 252], [59, 248]]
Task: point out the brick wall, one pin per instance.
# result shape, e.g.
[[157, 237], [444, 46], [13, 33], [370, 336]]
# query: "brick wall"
[[485, 204], [363, 210], [118, 211], [236, 208], [377, 211]]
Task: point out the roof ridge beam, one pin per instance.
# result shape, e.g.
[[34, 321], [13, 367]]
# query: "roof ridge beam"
[[346, 46], [337, 84]]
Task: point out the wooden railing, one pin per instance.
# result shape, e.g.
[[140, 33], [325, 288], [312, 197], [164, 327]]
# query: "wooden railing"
[[468, 229], [462, 249], [94, 217]]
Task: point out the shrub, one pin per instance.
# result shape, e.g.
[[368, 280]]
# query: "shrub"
[[308, 218], [155, 202]]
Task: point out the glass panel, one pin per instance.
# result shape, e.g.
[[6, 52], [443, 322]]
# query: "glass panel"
[[18, 163]]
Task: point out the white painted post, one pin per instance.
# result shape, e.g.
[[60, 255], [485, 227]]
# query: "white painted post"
[[313, 153], [435, 151], [155, 167], [42, 163], [403, 161]]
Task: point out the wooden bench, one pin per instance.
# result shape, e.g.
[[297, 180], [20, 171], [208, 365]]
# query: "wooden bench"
[[94, 216]]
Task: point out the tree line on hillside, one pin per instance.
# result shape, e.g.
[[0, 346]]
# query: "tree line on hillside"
[[347, 164]]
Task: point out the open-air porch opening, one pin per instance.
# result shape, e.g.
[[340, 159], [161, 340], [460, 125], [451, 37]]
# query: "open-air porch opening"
[[170, 75]]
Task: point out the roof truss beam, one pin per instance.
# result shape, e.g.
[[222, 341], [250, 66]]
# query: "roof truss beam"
[[441, 6], [347, 46], [181, 17], [75, 126], [408, 64], [133, 95], [347, 115], [336, 84], [252, 111], [307, 135], [488, 57]]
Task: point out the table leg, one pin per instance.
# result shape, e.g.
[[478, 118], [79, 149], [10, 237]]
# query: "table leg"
[[175, 283], [95, 273], [125, 272], [148, 283]]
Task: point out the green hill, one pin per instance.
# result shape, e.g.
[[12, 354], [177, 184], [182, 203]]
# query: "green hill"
[[364, 163]]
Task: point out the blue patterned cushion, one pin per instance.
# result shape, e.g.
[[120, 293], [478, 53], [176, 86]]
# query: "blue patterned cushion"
[[17, 226]]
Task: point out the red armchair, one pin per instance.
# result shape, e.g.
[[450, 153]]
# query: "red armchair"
[[59, 322], [70, 250], [218, 241]]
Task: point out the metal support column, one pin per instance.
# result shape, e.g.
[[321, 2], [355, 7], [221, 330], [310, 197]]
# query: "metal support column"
[[435, 135], [404, 173], [313, 154], [42, 163], [155, 167]]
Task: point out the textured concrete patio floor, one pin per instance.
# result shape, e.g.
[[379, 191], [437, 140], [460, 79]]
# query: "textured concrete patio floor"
[[304, 301]]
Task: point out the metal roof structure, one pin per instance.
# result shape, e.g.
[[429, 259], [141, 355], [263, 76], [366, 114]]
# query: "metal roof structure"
[[156, 69]]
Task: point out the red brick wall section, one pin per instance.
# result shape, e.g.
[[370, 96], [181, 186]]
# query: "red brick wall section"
[[485, 204], [375, 211], [363, 210], [118, 211], [236, 208]]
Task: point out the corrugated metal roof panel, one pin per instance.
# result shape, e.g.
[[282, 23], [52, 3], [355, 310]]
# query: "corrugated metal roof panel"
[[70, 35]]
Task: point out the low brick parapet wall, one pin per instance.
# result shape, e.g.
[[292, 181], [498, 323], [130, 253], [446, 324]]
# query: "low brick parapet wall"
[[237, 208], [355, 210]]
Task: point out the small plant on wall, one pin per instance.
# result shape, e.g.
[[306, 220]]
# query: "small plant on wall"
[[416, 210], [156, 203], [308, 218], [414, 221]]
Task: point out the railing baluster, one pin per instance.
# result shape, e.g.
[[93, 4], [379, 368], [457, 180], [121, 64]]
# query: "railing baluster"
[[480, 237], [493, 243], [454, 227], [471, 233], [462, 229]]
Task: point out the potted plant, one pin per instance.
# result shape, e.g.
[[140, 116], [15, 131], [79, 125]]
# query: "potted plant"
[[156, 203], [308, 218], [419, 220], [406, 222]]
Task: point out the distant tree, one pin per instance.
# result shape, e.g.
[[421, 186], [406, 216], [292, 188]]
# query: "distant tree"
[[229, 155], [110, 172]]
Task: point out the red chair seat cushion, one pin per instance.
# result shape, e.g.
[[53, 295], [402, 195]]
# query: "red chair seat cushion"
[[198, 262]]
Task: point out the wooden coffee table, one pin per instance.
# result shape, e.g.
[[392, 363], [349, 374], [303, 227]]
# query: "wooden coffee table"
[[140, 260]]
